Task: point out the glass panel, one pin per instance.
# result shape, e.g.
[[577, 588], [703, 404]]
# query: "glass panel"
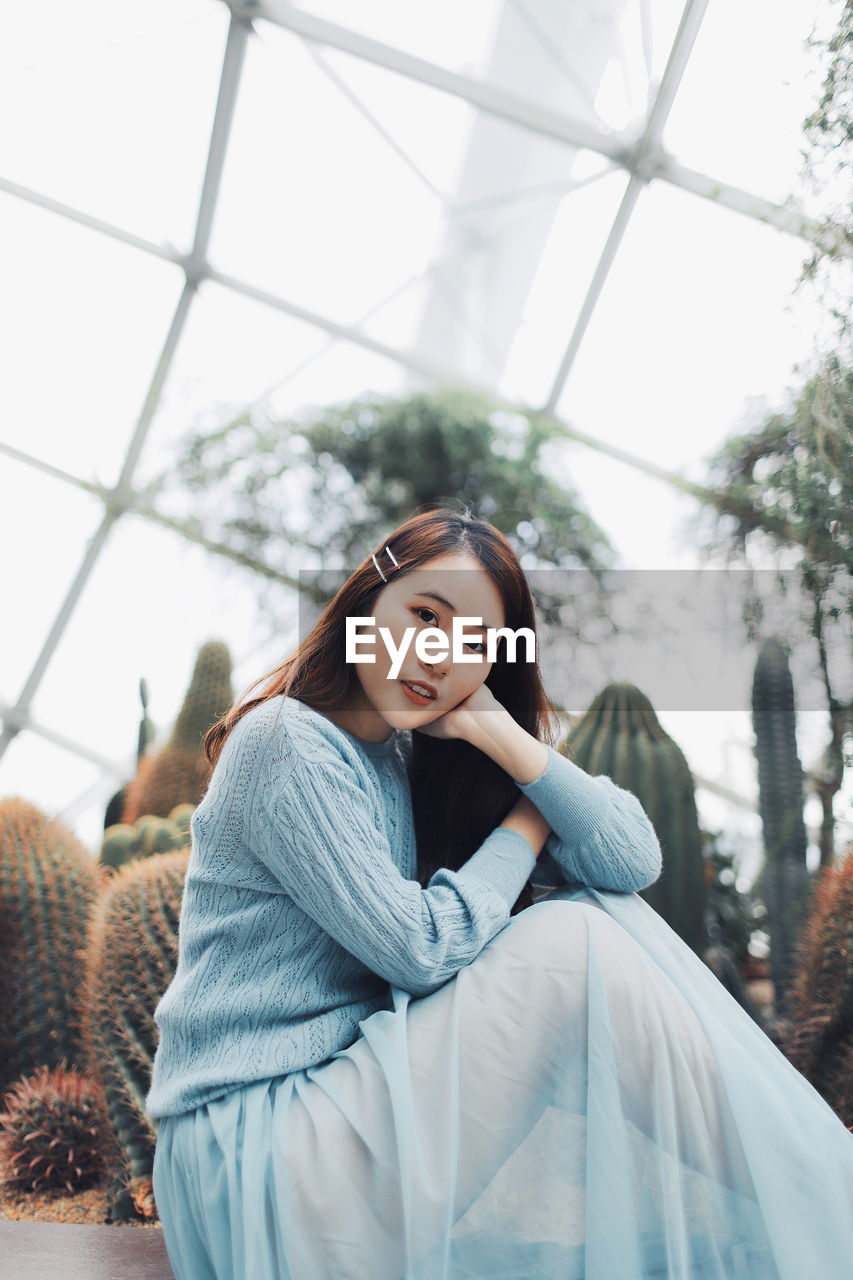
[[173, 596], [45, 525], [455, 36], [746, 90], [570, 258], [82, 327], [695, 323], [696, 317], [52, 778], [112, 106], [331, 216], [236, 352], [590, 62]]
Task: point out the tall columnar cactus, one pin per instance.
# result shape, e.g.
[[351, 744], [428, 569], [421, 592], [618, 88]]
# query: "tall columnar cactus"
[[178, 772], [785, 880], [131, 958], [48, 886], [819, 1034], [620, 735], [115, 806]]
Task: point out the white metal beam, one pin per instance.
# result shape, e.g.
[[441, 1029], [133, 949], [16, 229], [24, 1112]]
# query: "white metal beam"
[[529, 115], [488, 97], [685, 37], [17, 720]]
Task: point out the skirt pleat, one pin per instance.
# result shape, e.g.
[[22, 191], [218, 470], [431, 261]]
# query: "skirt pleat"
[[585, 1100]]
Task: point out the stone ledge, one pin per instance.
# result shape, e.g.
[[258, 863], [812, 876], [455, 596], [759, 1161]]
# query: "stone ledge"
[[74, 1251]]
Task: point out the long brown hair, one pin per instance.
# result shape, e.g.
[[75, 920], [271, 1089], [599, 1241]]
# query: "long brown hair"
[[459, 794]]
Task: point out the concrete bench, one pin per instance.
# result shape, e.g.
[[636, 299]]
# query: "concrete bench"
[[75, 1251]]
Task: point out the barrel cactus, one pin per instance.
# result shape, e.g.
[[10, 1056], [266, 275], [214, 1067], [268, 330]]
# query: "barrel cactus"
[[785, 881], [181, 817], [121, 843], [178, 772], [819, 1032], [53, 1131], [620, 735], [130, 961], [48, 886], [148, 835]]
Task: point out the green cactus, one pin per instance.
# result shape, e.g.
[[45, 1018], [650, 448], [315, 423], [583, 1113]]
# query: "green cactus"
[[48, 886], [785, 881], [148, 835], [53, 1131], [121, 843], [130, 961], [178, 772], [181, 817], [116, 805], [620, 735], [161, 836]]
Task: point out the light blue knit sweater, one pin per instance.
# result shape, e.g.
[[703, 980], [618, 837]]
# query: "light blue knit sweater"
[[301, 905]]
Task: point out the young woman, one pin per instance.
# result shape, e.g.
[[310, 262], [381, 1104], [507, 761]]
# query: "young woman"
[[379, 1058]]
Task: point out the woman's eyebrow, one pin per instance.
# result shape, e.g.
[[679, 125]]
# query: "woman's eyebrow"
[[433, 595]]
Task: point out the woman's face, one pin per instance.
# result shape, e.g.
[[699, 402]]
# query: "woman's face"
[[409, 602]]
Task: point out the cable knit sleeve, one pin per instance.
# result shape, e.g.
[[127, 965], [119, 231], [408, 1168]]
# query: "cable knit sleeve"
[[324, 844], [601, 835]]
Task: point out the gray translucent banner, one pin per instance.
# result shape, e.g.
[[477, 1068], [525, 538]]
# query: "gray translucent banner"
[[679, 635]]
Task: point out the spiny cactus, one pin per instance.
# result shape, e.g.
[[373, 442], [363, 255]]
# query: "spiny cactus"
[[115, 808], [178, 772], [785, 881], [819, 1038], [148, 835], [131, 958], [121, 843], [620, 735], [53, 1131], [181, 817], [48, 885], [162, 836]]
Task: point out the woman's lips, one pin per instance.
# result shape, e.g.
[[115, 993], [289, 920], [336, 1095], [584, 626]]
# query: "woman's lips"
[[415, 697]]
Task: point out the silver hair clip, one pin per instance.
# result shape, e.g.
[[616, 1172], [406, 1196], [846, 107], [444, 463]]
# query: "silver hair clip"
[[376, 562]]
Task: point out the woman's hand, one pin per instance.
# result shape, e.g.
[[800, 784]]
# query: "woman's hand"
[[484, 722], [465, 720]]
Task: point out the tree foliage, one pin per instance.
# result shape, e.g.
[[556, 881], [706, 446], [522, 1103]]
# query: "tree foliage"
[[314, 493], [789, 483], [827, 169]]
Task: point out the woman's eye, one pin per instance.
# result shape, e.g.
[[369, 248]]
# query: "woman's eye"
[[478, 645]]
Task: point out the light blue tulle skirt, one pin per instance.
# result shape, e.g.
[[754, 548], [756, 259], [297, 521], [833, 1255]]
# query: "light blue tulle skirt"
[[584, 1101]]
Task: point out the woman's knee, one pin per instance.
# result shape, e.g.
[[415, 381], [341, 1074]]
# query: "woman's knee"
[[562, 934], [550, 929]]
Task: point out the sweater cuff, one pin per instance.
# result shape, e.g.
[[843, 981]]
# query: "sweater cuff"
[[564, 788], [504, 861]]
